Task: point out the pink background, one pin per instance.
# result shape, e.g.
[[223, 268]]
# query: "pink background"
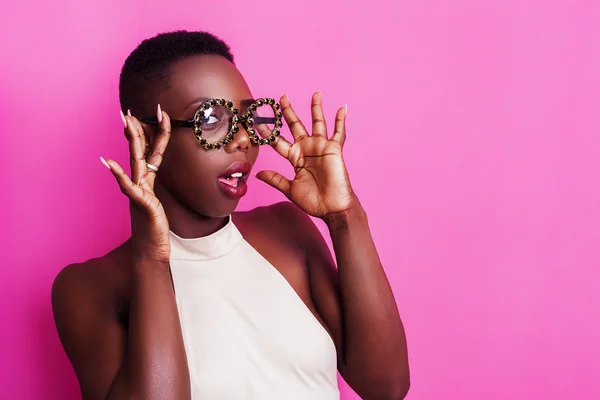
[[473, 144]]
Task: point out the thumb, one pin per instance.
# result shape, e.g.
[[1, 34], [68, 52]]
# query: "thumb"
[[276, 180]]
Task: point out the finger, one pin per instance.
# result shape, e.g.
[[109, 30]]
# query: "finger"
[[276, 180], [296, 127], [157, 151], [137, 194], [282, 146], [144, 137], [127, 186], [339, 134], [137, 152], [263, 130], [319, 127]]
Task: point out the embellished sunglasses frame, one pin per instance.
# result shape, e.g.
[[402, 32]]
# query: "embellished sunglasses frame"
[[246, 119]]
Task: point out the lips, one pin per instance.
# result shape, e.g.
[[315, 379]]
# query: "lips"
[[233, 181]]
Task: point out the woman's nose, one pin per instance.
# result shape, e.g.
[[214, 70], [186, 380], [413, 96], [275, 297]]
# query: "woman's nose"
[[241, 140]]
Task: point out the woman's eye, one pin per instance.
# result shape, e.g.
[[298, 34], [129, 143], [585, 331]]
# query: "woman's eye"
[[212, 119]]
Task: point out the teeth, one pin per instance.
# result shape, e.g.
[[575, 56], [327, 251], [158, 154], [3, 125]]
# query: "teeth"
[[236, 175]]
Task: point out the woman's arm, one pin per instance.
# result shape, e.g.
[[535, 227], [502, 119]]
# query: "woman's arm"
[[374, 349], [355, 301], [155, 364], [357, 305], [146, 360]]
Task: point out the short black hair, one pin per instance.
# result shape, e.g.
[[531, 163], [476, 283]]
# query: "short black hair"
[[148, 65]]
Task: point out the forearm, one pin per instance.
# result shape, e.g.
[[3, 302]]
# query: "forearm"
[[374, 339], [155, 365]]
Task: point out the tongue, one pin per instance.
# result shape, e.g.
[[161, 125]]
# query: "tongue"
[[231, 181]]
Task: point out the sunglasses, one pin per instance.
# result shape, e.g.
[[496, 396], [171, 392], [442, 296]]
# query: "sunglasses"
[[215, 122]]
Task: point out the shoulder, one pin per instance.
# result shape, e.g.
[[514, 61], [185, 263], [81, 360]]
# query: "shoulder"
[[98, 283], [76, 280], [284, 219], [284, 228], [288, 214]]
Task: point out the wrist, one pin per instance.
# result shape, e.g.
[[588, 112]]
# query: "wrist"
[[352, 216], [142, 264]]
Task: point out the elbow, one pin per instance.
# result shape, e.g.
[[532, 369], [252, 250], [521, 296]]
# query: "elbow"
[[391, 382], [398, 389], [394, 389], [402, 392]]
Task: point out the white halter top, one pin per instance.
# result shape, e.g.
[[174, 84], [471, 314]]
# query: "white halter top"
[[247, 334]]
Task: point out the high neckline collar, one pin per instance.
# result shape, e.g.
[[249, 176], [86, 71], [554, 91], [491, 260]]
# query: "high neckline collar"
[[208, 247]]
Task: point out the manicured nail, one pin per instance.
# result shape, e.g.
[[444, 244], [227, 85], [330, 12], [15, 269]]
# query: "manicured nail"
[[104, 162], [346, 109], [159, 114], [123, 118], [287, 97], [129, 112]]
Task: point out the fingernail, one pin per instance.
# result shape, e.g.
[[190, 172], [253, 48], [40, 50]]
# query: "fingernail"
[[123, 118], [129, 112], [286, 97], [346, 109], [159, 114], [104, 162]]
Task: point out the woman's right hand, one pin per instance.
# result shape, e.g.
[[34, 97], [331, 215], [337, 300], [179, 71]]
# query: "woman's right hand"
[[149, 225]]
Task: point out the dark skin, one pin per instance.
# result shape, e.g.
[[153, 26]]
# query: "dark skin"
[[116, 315]]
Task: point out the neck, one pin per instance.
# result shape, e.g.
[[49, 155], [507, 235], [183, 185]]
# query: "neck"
[[184, 221]]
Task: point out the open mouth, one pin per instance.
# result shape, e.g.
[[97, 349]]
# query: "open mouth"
[[234, 180]]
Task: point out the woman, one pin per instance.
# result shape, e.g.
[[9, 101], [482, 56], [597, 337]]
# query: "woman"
[[205, 303]]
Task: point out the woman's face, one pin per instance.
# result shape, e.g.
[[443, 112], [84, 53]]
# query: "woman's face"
[[198, 178]]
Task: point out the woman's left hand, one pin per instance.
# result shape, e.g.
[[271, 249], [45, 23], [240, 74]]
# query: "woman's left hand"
[[321, 186]]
